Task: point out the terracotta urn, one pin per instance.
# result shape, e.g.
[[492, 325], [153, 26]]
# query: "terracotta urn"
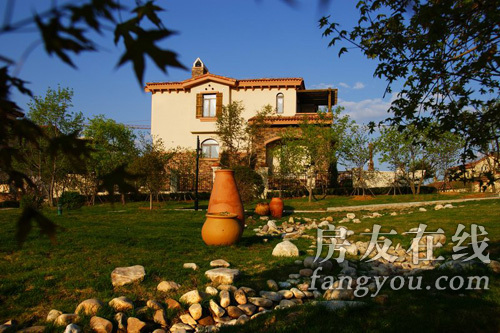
[[262, 209], [276, 207], [225, 196], [221, 229]]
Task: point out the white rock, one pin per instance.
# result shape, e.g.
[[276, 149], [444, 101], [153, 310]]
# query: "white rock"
[[90, 307], [190, 265], [422, 209], [222, 275], [196, 311], [211, 291], [166, 286], [394, 214], [350, 216], [53, 314], [285, 249], [438, 207], [272, 285], [448, 206], [125, 275], [356, 221], [297, 293], [216, 309], [121, 304], [101, 325], [225, 298], [219, 263], [352, 249], [191, 297], [73, 328]]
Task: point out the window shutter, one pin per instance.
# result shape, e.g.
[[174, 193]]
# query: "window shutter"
[[199, 105], [218, 104]]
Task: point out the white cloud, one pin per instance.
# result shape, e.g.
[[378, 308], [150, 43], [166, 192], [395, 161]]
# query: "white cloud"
[[358, 85], [367, 110], [344, 85]]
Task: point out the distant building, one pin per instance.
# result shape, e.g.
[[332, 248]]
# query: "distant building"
[[483, 174]]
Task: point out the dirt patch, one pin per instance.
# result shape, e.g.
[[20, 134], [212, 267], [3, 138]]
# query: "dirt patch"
[[477, 195]]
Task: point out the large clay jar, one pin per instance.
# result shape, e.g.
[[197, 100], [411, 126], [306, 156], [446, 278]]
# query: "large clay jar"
[[225, 196], [262, 209], [221, 229], [276, 207]]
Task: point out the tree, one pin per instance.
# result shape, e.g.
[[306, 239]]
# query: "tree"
[[354, 153], [112, 145], [444, 53], [314, 145], [65, 31], [48, 168], [231, 131], [151, 168]]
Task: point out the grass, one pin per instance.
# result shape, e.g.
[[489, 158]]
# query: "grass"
[[42, 276]]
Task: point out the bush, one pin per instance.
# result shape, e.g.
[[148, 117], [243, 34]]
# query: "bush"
[[30, 200], [249, 182], [71, 200]]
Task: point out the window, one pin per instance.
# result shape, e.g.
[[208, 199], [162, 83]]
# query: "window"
[[209, 102], [279, 103], [210, 149]]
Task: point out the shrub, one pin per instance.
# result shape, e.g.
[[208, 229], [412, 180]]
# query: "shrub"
[[71, 200], [30, 200], [249, 182]]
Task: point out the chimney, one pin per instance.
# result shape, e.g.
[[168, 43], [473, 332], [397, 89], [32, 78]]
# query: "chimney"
[[198, 68]]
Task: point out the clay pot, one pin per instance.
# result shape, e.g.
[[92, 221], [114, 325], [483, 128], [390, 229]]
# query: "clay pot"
[[262, 209], [221, 229], [276, 207], [225, 196]]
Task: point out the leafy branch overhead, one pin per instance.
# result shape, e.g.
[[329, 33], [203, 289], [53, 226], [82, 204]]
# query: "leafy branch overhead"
[[441, 57]]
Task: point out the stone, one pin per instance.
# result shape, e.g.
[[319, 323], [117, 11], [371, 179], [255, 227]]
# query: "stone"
[[222, 275], [101, 325], [196, 311], [126, 275], [286, 303], [356, 221], [234, 312], [243, 319], [187, 319], [73, 328], [206, 321], [448, 206], [159, 330], [422, 209], [494, 266], [190, 265], [121, 320], [191, 297], [89, 307], [286, 294], [216, 309], [173, 304], [53, 314], [211, 291], [227, 287], [240, 296], [273, 296], [219, 263], [350, 216], [259, 314], [248, 291], [284, 284], [160, 317], [303, 287], [225, 298], [261, 301], [438, 207], [339, 294], [352, 249], [297, 293], [135, 325], [153, 304], [306, 272], [248, 309], [394, 214], [272, 285], [180, 328], [285, 249], [166, 286], [121, 304], [66, 319]]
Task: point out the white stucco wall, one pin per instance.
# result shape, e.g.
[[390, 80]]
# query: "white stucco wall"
[[173, 114]]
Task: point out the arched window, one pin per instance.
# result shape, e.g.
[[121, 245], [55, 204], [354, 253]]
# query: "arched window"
[[210, 149], [279, 103]]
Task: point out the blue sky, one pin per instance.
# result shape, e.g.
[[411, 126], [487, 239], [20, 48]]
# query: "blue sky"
[[239, 39]]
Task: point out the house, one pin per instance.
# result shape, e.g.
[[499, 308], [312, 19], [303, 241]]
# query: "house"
[[483, 174], [182, 111]]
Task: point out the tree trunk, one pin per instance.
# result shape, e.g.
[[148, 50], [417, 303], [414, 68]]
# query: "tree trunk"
[[150, 200], [123, 199]]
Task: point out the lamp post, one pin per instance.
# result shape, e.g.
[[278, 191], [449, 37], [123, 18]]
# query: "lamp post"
[[197, 172]]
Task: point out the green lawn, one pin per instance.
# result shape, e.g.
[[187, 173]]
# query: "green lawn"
[[94, 240]]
